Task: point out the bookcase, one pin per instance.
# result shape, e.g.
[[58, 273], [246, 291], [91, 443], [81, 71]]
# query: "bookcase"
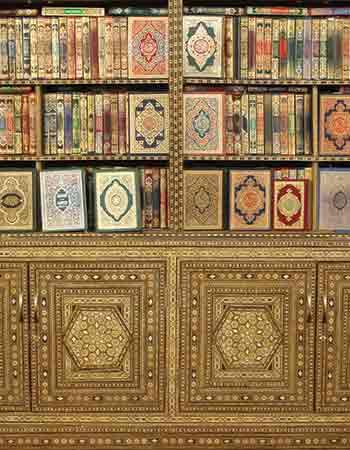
[[183, 336]]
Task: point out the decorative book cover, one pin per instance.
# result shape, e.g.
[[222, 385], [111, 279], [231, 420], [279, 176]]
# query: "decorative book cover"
[[149, 123], [17, 200], [250, 200], [290, 205], [203, 46], [335, 124], [203, 194], [63, 200], [203, 123], [148, 47], [117, 200], [334, 199]]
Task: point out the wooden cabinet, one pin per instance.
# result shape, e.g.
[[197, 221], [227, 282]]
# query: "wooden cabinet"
[[247, 336], [14, 339], [333, 338], [99, 333]]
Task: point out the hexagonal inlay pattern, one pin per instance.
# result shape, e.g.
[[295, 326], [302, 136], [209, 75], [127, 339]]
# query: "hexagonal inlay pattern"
[[247, 337], [97, 338]]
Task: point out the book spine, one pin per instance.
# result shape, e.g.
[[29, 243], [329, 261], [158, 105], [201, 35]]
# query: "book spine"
[[86, 49], [245, 124], [136, 11], [94, 49], [283, 48], [79, 49], [276, 10], [32, 124], [244, 47], [260, 125], [315, 65], [252, 124], [276, 147], [275, 48], [91, 123], [60, 123], [163, 198], [299, 124], [3, 122], [229, 124], [46, 126], [127, 125], [237, 125], [71, 48], [47, 38], [291, 124], [323, 48], [53, 123], [345, 49], [251, 48], [122, 122], [83, 124], [299, 50], [338, 49], [124, 47], [307, 124], [76, 122], [19, 50], [10, 125], [331, 48], [148, 198], [114, 124], [284, 124], [26, 48], [68, 119], [19, 12], [90, 12], [18, 123], [4, 54], [116, 48], [11, 32], [229, 47], [291, 48], [156, 197], [108, 48], [307, 50], [55, 48], [107, 125], [268, 123], [259, 47], [267, 47], [99, 124], [63, 58]]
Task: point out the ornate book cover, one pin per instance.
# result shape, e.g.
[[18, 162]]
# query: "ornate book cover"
[[203, 123], [117, 200], [63, 200], [334, 199], [17, 200], [334, 124], [203, 46], [290, 205], [149, 123], [203, 194], [250, 200], [148, 47]]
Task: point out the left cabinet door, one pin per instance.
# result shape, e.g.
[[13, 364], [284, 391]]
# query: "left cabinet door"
[[14, 345]]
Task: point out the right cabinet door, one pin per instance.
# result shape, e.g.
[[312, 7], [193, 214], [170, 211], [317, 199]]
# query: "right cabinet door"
[[333, 338]]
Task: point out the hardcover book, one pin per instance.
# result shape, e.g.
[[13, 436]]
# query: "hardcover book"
[[17, 200], [250, 200], [117, 200], [149, 123], [203, 194], [335, 124], [203, 46], [63, 200], [290, 205], [334, 199], [148, 47], [203, 123]]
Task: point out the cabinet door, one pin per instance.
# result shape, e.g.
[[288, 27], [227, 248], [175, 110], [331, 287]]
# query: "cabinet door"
[[333, 338], [100, 336], [14, 345], [247, 336]]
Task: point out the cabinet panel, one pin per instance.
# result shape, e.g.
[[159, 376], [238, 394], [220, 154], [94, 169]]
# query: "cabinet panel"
[[14, 367], [333, 338], [247, 336], [100, 336]]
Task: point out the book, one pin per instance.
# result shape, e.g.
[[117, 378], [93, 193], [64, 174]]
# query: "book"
[[276, 11], [63, 200], [19, 12], [250, 200], [69, 11], [136, 11], [203, 199], [117, 200], [213, 10]]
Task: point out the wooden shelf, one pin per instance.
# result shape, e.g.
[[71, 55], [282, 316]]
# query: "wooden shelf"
[[253, 158], [125, 157], [78, 82], [228, 81]]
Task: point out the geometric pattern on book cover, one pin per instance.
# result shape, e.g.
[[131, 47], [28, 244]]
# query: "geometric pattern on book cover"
[[203, 46], [290, 205], [16, 200], [250, 199], [149, 123], [117, 200], [335, 125], [107, 323], [334, 199], [238, 346], [203, 194], [148, 47], [203, 123], [62, 200]]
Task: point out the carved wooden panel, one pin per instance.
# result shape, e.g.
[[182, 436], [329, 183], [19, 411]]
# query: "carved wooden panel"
[[100, 336], [14, 367], [247, 336], [333, 338]]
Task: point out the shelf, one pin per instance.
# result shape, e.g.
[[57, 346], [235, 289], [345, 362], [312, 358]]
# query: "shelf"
[[332, 159], [228, 81], [84, 158], [79, 82]]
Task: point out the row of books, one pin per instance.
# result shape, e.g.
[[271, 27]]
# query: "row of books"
[[247, 123], [18, 132], [106, 123], [267, 11], [119, 199], [57, 11], [267, 48], [83, 48]]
